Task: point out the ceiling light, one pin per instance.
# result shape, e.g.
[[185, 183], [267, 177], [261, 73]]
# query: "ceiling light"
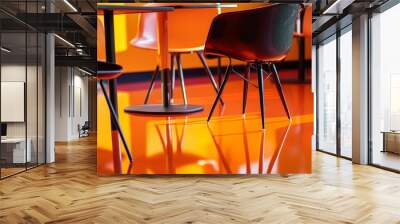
[[5, 49], [65, 41], [70, 5], [337, 7]]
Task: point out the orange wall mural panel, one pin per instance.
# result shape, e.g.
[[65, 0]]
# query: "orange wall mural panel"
[[142, 60], [231, 142]]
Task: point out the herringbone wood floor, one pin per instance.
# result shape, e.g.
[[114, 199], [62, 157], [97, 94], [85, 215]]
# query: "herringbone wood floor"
[[69, 191]]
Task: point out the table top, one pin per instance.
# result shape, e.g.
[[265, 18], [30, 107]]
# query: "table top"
[[130, 9], [13, 140], [108, 68], [201, 6], [391, 132], [124, 9]]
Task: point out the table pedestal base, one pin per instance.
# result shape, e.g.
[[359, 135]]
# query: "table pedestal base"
[[159, 109]]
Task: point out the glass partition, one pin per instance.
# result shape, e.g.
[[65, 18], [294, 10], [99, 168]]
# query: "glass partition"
[[22, 89], [346, 95], [385, 89], [15, 150]]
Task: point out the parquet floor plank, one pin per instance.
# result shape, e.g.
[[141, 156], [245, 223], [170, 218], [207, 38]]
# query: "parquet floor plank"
[[70, 191]]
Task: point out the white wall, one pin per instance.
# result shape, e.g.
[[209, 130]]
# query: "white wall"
[[15, 73], [61, 96], [71, 102]]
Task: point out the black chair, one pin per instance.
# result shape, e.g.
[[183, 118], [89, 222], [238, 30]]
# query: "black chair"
[[84, 129], [261, 36]]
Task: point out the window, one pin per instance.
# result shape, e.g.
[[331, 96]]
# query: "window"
[[22, 78], [346, 92], [335, 74], [326, 94], [385, 89]]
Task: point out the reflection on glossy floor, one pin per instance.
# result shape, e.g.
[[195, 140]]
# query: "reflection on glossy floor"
[[386, 159], [229, 144], [70, 191], [5, 172]]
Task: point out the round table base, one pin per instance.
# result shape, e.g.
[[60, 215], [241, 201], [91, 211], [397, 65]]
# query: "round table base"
[[159, 109]]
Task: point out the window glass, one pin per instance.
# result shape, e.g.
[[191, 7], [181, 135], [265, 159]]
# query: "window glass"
[[385, 89], [346, 94], [327, 96], [15, 150]]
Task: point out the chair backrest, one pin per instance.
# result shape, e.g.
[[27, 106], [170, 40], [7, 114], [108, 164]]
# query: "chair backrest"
[[86, 125], [261, 34], [187, 28]]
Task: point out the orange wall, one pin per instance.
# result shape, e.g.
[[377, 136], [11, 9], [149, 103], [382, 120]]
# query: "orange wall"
[[138, 60]]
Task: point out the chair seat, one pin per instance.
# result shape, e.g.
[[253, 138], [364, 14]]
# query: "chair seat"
[[146, 45], [187, 29], [248, 57], [107, 71], [186, 50]]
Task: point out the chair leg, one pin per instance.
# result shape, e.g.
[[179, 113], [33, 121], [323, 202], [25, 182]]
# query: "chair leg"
[[210, 76], [151, 86], [115, 121], [228, 71], [261, 91], [280, 90], [173, 63], [182, 80], [246, 88], [219, 71]]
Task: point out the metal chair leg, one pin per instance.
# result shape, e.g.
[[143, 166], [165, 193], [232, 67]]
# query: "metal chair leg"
[[261, 91], [219, 72], [280, 90], [210, 76], [151, 86], [115, 121], [227, 73], [246, 88], [173, 63], [182, 80]]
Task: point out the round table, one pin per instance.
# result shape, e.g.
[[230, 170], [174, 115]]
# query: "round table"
[[165, 108], [108, 11]]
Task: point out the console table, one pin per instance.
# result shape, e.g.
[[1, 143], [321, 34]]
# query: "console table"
[[13, 150], [391, 141]]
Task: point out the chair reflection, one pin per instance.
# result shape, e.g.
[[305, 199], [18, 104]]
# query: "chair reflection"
[[220, 152], [247, 150], [175, 155], [177, 152], [277, 152]]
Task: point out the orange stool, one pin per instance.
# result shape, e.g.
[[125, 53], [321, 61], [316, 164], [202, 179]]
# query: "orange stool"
[[182, 39]]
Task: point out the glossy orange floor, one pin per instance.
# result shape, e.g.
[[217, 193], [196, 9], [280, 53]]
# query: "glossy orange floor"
[[229, 144]]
